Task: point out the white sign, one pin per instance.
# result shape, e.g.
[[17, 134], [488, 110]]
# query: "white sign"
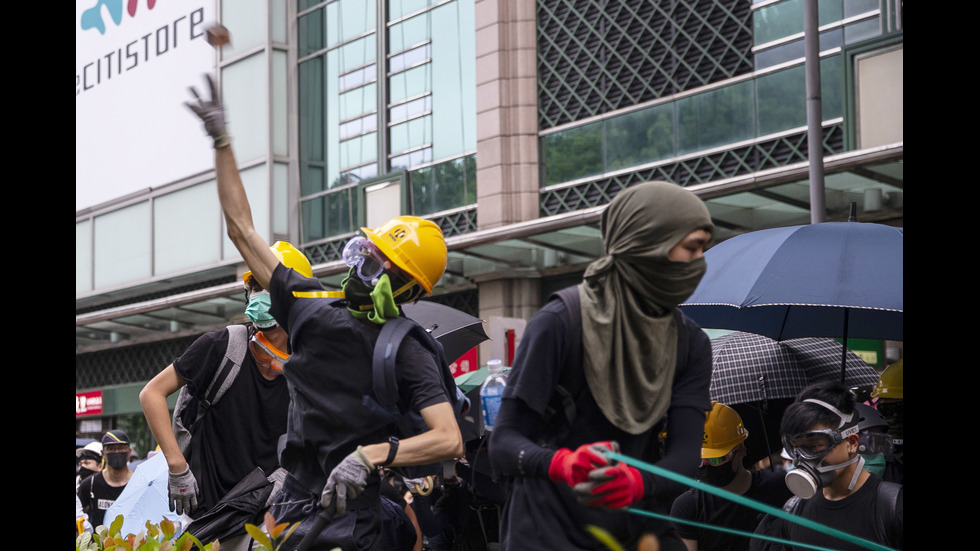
[[134, 62]]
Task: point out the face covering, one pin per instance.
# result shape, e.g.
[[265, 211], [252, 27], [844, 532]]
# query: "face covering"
[[718, 476], [117, 460], [810, 476], [259, 303], [84, 473], [874, 463]]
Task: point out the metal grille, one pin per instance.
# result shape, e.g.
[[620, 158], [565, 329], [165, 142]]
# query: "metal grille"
[[717, 166], [596, 57]]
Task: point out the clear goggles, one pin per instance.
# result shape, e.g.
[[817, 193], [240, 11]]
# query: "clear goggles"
[[265, 354], [364, 256], [717, 461], [815, 444]]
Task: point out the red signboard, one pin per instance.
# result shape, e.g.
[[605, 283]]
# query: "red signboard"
[[88, 403], [466, 363]]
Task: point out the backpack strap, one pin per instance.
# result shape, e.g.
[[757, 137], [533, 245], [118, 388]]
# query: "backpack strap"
[[887, 503], [232, 364]]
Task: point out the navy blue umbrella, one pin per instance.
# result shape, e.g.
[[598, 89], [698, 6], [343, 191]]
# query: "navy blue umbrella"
[[831, 279]]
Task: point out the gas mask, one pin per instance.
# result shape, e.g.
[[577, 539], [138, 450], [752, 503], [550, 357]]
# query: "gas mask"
[[809, 449]]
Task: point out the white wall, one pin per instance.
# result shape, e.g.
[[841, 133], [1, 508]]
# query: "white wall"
[[132, 130]]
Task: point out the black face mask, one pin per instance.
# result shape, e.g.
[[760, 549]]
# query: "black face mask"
[[718, 476], [84, 473], [117, 460]]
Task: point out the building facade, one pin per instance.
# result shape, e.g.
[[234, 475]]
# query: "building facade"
[[510, 124]]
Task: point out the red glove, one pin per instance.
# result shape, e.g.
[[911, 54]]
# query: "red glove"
[[613, 487], [574, 467]]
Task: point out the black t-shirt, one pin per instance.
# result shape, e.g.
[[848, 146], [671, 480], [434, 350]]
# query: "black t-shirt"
[[856, 514], [329, 373], [515, 446], [97, 496], [768, 487], [241, 431]]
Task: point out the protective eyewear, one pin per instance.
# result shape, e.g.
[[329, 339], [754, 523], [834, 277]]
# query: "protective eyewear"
[[364, 256], [265, 353], [815, 444], [717, 461]]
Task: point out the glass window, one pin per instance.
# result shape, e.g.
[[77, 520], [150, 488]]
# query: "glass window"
[[357, 54], [857, 7], [408, 33], [401, 8], [412, 158], [398, 113], [83, 256], [248, 22], [454, 80], [357, 102], [862, 30], [122, 246], [359, 150], [639, 137], [786, 18], [312, 133], [328, 215], [185, 229], [781, 100], [411, 134], [347, 19], [410, 83], [358, 126], [796, 49], [280, 101], [358, 77], [409, 58], [572, 154], [715, 118], [444, 186], [248, 105], [310, 33], [280, 20], [280, 198], [255, 180]]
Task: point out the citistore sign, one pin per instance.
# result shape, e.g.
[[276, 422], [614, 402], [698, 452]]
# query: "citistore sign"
[[88, 403]]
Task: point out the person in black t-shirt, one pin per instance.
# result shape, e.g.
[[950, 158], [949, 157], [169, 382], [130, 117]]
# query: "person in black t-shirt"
[[241, 431], [722, 465], [100, 490], [820, 432]]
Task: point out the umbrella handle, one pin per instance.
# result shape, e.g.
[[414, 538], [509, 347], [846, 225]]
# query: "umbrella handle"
[[318, 525]]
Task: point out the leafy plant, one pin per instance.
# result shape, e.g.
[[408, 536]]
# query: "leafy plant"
[[277, 533]]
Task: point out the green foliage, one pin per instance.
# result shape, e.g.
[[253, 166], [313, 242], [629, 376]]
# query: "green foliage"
[[161, 537]]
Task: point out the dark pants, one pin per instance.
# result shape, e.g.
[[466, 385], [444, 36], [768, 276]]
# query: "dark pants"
[[359, 529]]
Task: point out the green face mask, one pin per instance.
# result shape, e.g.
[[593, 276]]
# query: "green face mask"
[[259, 303], [874, 463]]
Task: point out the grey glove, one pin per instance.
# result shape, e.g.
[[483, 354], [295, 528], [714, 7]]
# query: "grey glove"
[[183, 492], [212, 113], [347, 479]]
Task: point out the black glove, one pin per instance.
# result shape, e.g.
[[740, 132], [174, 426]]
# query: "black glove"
[[212, 113], [347, 479]]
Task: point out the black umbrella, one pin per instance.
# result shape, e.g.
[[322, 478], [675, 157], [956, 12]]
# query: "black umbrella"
[[456, 330], [759, 377]]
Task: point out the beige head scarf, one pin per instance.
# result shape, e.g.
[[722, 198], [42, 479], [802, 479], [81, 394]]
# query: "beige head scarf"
[[628, 296]]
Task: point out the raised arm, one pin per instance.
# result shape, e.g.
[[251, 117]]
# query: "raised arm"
[[231, 193]]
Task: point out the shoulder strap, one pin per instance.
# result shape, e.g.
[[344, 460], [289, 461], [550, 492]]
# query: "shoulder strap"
[[886, 506], [232, 364]]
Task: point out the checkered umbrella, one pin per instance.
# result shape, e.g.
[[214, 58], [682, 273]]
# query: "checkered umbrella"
[[747, 367]]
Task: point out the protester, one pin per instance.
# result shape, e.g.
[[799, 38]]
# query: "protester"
[[240, 431], [334, 443], [722, 466], [632, 365], [88, 461], [831, 487], [100, 490], [890, 399]]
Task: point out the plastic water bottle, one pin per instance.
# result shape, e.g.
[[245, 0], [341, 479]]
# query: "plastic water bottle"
[[491, 391]]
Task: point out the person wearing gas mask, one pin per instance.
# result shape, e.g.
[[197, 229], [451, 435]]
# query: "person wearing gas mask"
[[240, 431], [722, 465], [820, 432], [334, 441], [99, 491]]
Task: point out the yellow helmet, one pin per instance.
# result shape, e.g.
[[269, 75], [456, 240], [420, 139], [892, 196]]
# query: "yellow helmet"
[[723, 430], [415, 245], [890, 382], [289, 256]]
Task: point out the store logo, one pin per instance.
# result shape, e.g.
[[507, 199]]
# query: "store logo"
[[92, 17]]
